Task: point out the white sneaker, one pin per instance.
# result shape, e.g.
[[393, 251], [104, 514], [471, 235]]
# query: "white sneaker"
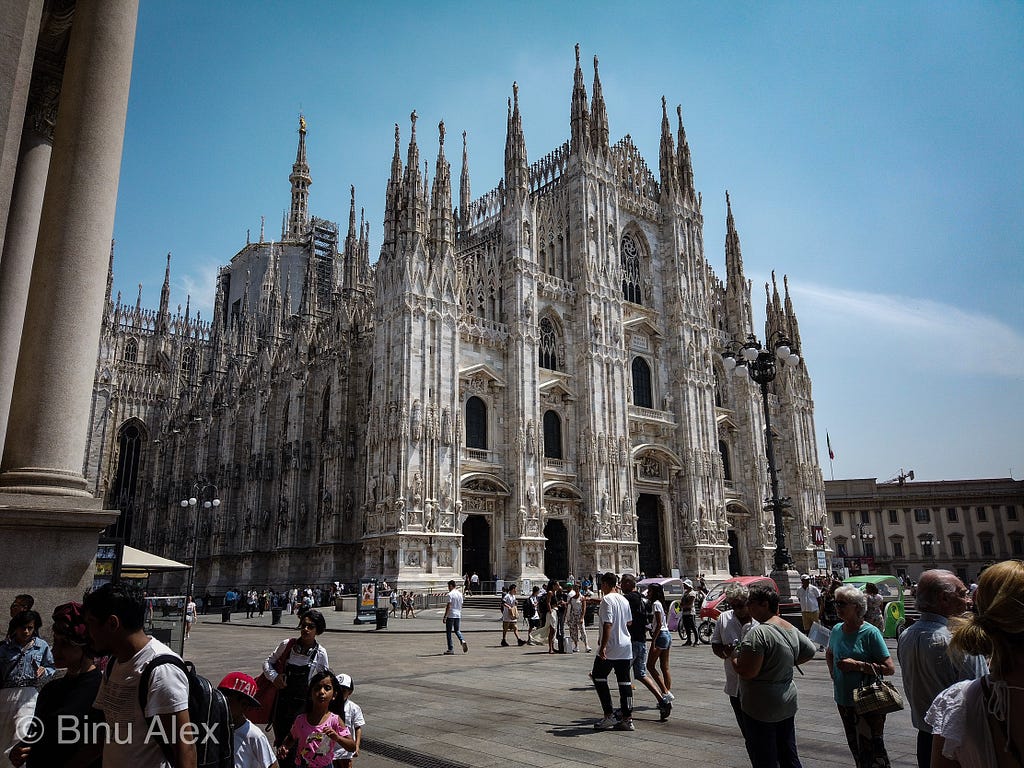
[[606, 724], [625, 725], [669, 696]]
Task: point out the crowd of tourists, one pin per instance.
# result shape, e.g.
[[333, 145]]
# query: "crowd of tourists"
[[107, 694]]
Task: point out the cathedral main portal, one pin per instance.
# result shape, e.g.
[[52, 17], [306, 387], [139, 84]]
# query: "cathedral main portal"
[[476, 546], [556, 551], [648, 532]]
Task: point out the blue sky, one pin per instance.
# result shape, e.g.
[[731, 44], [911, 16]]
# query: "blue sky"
[[872, 152]]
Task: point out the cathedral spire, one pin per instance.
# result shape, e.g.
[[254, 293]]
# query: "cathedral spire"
[[598, 117], [737, 289], [351, 254], [791, 323], [667, 158], [392, 196], [579, 118], [298, 216], [110, 274], [442, 225], [464, 197], [517, 176], [413, 184], [683, 160], [165, 299]]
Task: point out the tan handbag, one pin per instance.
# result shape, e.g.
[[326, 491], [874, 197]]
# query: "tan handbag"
[[879, 697]]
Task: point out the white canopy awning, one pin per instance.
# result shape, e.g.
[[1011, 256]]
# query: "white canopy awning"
[[136, 562]]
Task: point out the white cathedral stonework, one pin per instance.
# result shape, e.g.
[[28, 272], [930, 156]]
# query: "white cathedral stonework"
[[527, 386]]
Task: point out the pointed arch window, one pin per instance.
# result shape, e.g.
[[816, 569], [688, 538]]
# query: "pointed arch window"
[[726, 462], [131, 440], [325, 414], [631, 290], [187, 363], [643, 397], [476, 423], [548, 352], [131, 351], [552, 435]]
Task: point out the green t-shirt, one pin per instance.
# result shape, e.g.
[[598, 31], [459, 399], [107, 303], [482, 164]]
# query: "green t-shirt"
[[771, 696], [866, 644]]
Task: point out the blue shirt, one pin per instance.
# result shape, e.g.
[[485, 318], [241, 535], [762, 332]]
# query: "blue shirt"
[[18, 665], [928, 666], [866, 644]]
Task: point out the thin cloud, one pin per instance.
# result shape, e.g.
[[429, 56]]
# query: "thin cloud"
[[926, 333], [200, 284]]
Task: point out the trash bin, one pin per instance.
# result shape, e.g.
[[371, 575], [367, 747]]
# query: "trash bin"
[[225, 614], [275, 615], [382, 618]]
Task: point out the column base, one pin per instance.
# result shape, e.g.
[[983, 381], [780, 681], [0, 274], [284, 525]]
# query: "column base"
[[49, 543], [788, 582], [44, 481]]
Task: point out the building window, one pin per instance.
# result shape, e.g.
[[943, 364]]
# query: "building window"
[[922, 515], [837, 517], [631, 271], [1011, 512], [961, 573], [476, 423], [869, 549], [548, 352], [865, 516], [957, 547], [642, 394], [187, 360], [726, 464], [894, 516], [841, 547], [951, 515], [1017, 545], [982, 514], [325, 414], [927, 549], [986, 547], [131, 351], [897, 549], [552, 435]]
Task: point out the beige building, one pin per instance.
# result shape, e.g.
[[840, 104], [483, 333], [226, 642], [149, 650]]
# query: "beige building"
[[904, 528]]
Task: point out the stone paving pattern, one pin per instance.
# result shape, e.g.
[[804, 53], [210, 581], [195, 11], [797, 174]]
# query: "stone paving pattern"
[[522, 707]]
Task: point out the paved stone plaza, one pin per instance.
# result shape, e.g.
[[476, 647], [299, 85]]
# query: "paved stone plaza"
[[512, 707]]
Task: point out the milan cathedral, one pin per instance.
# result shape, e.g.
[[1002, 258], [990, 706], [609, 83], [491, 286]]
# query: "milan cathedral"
[[526, 386]]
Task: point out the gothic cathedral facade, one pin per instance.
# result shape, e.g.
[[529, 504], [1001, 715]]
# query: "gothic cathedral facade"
[[526, 386]]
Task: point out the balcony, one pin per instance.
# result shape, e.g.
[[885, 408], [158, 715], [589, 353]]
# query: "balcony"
[[650, 414], [480, 455]]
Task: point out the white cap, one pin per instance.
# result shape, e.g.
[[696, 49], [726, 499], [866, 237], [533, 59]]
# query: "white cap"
[[345, 682], [805, 577], [688, 583]]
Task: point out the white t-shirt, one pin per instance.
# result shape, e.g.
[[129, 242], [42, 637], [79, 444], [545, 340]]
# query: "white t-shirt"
[[659, 610], [509, 601], [118, 698], [808, 598], [960, 715], [730, 631], [455, 604], [252, 750], [353, 719], [615, 610]]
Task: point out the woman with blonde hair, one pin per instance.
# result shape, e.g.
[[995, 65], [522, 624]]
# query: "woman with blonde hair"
[[856, 655], [973, 722]]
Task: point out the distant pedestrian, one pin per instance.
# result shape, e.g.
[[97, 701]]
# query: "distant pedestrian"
[[474, 583], [809, 597], [190, 615], [532, 609], [509, 616], [574, 619], [453, 619], [394, 602], [614, 652], [686, 613]]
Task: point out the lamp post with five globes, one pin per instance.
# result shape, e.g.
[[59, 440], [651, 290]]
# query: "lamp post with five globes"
[[204, 494], [762, 366]]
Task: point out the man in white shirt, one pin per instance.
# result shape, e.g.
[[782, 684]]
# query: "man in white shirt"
[[809, 597], [614, 652], [453, 619], [114, 617], [730, 628]]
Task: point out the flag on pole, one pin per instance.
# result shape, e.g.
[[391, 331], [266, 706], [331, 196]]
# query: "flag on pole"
[[828, 442]]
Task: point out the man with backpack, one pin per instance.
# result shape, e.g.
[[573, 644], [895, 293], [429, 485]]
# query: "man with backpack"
[[642, 615], [114, 616]]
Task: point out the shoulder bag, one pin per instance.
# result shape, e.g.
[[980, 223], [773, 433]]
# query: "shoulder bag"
[[878, 697]]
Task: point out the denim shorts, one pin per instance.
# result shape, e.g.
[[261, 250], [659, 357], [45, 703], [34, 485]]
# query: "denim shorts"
[[639, 659], [663, 641]]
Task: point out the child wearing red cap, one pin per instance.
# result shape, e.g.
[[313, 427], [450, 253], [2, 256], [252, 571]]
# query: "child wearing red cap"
[[252, 750]]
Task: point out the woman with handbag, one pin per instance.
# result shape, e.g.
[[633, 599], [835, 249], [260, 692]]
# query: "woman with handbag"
[[290, 668], [856, 656]]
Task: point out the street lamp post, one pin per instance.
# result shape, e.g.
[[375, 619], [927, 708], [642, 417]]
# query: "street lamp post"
[[931, 542], [864, 536], [204, 494], [762, 366]]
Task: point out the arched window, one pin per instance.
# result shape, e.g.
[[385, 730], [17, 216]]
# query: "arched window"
[[476, 423], [726, 463], [548, 354], [642, 395], [325, 414], [187, 361], [631, 271], [552, 435], [131, 439], [131, 351]]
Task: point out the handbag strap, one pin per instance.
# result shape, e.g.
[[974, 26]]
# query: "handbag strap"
[[795, 650]]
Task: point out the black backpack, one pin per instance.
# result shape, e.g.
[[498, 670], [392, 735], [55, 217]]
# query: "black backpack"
[[207, 708], [529, 609]]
